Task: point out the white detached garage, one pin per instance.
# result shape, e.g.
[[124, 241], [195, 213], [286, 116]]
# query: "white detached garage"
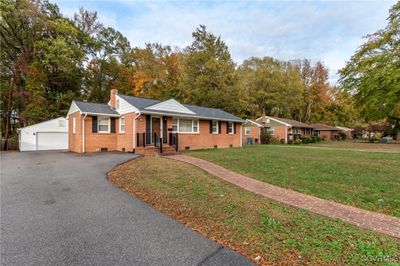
[[48, 135]]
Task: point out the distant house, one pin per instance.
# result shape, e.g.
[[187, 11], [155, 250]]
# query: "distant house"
[[251, 132], [325, 132], [141, 125], [348, 131], [286, 129]]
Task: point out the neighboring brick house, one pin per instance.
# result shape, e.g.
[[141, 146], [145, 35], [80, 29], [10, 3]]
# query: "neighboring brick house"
[[251, 132], [135, 124], [325, 132], [286, 129]]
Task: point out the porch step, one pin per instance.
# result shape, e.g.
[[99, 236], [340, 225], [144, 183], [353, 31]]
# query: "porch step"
[[151, 150]]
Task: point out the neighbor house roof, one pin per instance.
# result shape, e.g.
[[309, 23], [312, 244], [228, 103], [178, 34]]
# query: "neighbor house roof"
[[95, 108], [323, 127], [288, 122], [344, 128], [172, 107]]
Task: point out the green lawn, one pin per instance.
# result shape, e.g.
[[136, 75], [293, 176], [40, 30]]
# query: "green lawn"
[[248, 223], [368, 180]]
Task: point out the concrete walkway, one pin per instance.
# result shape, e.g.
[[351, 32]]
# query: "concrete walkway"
[[365, 219]]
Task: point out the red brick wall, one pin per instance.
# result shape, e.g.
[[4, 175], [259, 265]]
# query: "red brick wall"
[[125, 140], [75, 140], [95, 141], [255, 133], [204, 139], [280, 132], [327, 134]]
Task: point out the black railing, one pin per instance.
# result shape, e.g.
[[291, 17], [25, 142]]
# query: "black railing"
[[156, 141], [173, 140]]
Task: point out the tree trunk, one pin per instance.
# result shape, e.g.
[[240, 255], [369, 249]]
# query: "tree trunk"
[[8, 116]]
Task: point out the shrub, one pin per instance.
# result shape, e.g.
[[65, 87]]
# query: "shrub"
[[273, 140], [342, 135], [290, 141], [314, 139], [282, 141], [297, 141], [265, 137], [306, 139], [375, 137]]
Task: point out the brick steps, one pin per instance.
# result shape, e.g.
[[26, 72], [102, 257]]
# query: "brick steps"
[[151, 150]]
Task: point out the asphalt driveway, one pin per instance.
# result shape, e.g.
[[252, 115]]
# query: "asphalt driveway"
[[57, 208]]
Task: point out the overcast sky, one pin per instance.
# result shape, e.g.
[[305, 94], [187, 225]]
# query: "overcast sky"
[[329, 31]]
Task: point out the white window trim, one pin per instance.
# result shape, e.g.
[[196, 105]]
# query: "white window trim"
[[193, 124], [271, 131], [98, 125], [245, 131], [120, 124], [233, 128], [217, 127], [73, 125]]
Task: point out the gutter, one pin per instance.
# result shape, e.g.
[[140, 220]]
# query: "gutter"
[[134, 129]]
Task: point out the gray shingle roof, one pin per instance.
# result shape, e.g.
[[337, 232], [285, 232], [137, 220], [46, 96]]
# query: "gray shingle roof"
[[143, 103], [139, 102], [96, 108]]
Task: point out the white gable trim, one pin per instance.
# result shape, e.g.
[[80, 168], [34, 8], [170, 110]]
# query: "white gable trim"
[[255, 123], [276, 120], [125, 107], [170, 105], [73, 108]]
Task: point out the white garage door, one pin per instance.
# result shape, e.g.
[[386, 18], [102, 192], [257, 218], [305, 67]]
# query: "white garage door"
[[52, 141]]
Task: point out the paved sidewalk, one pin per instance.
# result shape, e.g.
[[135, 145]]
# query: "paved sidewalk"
[[381, 223]]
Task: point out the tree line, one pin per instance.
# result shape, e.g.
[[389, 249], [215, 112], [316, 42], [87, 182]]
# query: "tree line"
[[47, 60]]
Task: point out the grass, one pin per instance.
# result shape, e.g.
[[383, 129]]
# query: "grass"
[[248, 223], [368, 180], [358, 145]]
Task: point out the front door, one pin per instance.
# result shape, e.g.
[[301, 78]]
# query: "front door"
[[155, 127]]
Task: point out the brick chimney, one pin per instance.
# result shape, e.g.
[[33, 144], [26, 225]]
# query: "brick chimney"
[[113, 98], [263, 118]]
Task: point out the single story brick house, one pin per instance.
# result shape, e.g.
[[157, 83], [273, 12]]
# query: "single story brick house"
[[135, 124], [325, 132], [286, 129]]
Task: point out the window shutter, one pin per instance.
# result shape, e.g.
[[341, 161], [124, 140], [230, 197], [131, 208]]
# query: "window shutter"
[[94, 124], [227, 127], [219, 127], [210, 126], [234, 128], [112, 125], [148, 125]]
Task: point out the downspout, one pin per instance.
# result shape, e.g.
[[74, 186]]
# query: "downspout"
[[83, 133], [241, 133], [134, 129]]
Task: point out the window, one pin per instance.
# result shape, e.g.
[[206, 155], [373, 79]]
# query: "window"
[[271, 131], [215, 127], [296, 131], [231, 129], [187, 126], [73, 125], [122, 125], [247, 130], [174, 125], [104, 125], [196, 126], [268, 121]]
